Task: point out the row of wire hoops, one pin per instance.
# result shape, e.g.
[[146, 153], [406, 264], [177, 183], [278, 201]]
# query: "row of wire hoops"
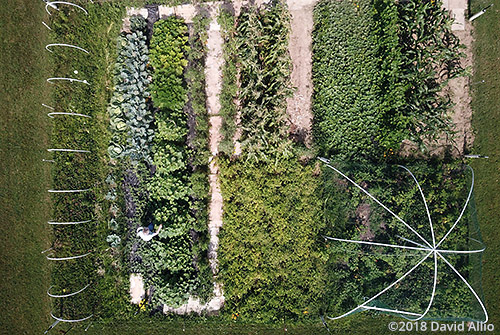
[[52, 114]]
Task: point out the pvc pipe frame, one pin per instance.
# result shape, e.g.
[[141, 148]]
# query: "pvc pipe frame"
[[65, 295], [50, 80], [64, 45], [430, 249], [67, 113], [69, 191], [66, 258], [70, 320], [67, 223], [53, 5], [62, 113]]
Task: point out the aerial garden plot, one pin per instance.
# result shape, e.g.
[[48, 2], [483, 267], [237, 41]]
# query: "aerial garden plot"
[[192, 178]]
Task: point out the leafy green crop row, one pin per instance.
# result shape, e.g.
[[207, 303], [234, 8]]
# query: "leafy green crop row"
[[128, 110], [168, 263], [378, 69]]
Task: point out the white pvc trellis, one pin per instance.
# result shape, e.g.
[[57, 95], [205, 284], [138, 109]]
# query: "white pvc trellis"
[[51, 114], [66, 258], [69, 191], [430, 247], [71, 80]]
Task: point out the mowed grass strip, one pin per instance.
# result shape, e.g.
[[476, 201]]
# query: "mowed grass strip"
[[24, 178], [486, 122]]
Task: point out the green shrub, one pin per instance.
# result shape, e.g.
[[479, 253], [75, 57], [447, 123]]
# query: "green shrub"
[[270, 261]]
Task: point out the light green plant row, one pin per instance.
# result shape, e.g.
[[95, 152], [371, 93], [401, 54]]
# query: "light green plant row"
[[270, 255]]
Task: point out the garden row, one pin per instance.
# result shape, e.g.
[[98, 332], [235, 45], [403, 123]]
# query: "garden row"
[[378, 71], [159, 157], [270, 264]]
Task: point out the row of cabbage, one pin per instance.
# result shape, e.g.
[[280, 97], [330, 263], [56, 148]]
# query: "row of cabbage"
[[157, 176]]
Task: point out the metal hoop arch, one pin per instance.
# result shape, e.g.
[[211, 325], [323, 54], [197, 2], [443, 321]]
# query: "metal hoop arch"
[[69, 320], [64, 45], [52, 4], [65, 295], [66, 258], [50, 80], [67, 223]]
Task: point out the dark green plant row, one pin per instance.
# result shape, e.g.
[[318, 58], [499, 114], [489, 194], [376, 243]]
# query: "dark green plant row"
[[378, 70], [96, 33], [229, 89]]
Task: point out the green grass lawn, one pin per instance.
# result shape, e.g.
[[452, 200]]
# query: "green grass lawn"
[[486, 122], [24, 178]]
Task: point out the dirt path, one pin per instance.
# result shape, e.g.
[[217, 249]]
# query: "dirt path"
[[213, 82], [459, 90], [299, 106]]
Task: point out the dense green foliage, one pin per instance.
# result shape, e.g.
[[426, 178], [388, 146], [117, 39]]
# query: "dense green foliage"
[[379, 68], [378, 71], [198, 143], [128, 111], [96, 33], [347, 95], [264, 80], [270, 262], [229, 90], [362, 271]]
